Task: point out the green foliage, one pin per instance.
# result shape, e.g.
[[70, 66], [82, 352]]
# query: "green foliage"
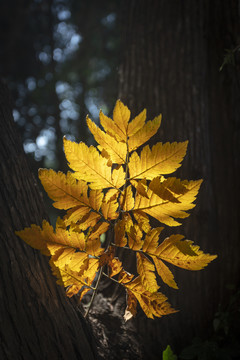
[[229, 57], [168, 354]]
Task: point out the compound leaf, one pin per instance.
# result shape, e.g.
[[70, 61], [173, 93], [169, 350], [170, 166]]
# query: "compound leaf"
[[112, 187]]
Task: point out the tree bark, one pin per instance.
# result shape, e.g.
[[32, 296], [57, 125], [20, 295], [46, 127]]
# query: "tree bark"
[[37, 321], [172, 52]]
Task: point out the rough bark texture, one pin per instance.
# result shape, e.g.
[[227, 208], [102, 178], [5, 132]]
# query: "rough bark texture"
[[172, 51], [37, 321]]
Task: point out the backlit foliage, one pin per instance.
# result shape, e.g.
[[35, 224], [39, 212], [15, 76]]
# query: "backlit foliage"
[[115, 189]]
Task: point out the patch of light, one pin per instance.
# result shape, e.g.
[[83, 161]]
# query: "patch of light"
[[69, 109], [41, 141], [65, 104], [32, 111], [64, 15], [100, 74], [16, 115], [58, 54], [31, 83], [67, 39], [45, 143], [61, 87], [29, 147], [92, 107], [44, 57], [74, 42], [109, 20], [69, 114], [64, 124]]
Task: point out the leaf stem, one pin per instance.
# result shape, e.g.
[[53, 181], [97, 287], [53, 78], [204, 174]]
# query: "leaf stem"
[[110, 277], [128, 248], [94, 292]]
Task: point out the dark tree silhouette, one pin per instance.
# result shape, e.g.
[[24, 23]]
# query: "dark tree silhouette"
[[172, 52], [37, 321]]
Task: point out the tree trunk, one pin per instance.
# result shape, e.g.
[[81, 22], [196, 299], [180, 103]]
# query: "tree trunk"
[[172, 52], [37, 321]]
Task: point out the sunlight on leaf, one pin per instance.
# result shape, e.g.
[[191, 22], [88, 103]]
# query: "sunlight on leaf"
[[111, 197]]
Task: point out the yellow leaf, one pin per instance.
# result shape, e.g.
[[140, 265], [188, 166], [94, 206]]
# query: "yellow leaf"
[[124, 277], [93, 247], [48, 241], [120, 239], [116, 150], [98, 230], [126, 199], [162, 159], [95, 199], [110, 127], [74, 269], [66, 277], [134, 234], [164, 273], [146, 271], [75, 289], [90, 166], [35, 236], [165, 210], [118, 177], [88, 220], [76, 279], [81, 293], [76, 261], [111, 195], [145, 133], [106, 256], [109, 209], [76, 214], [183, 254], [151, 240], [65, 190], [70, 193], [153, 304], [168, 189], [142, 220], [137, 123], [140, 186], [90, 272], [115, 266], [121, 116]]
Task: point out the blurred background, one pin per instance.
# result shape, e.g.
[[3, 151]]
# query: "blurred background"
[[60, 59]]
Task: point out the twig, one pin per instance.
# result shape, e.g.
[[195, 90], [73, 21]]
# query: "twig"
[[94, 292]]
